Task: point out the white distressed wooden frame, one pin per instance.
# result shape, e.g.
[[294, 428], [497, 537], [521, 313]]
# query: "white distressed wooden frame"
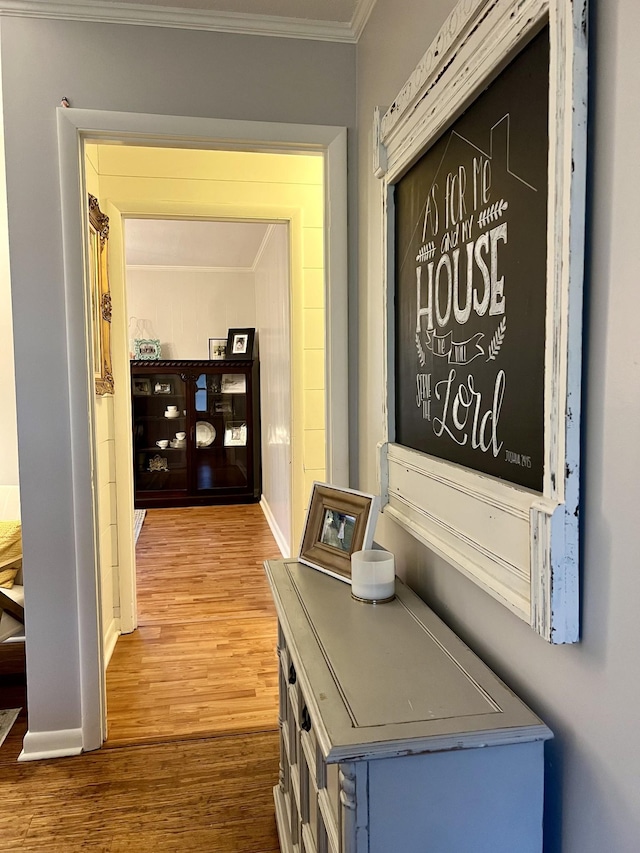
[[520, 546]]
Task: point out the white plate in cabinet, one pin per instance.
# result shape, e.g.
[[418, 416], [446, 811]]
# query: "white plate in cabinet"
[[398, 736]]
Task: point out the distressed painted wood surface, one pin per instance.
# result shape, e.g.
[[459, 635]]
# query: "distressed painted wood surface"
[[528, 556], [393, 698]]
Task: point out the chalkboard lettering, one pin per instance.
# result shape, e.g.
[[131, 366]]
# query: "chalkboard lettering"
[[470, 281]]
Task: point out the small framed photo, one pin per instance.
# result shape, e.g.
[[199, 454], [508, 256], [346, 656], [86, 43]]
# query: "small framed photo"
[[235, 435], [214, 383], [240, 343], [233, 383], [147, 349], [339, 522], [141, 386], [162, 388], [217, 349]]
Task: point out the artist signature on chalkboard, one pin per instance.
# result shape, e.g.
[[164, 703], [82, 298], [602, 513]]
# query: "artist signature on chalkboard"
[[517, 459]]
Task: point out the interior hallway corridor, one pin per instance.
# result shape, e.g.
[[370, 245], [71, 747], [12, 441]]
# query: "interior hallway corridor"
[[202, 661], [192, 753]]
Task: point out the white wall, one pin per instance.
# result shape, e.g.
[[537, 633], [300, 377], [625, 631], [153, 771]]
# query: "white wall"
[[273, 313], [187, 307], [106, 67], [587, 693]]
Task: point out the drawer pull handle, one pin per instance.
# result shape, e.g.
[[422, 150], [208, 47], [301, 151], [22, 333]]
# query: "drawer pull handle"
[[305, 725], [292, 674]]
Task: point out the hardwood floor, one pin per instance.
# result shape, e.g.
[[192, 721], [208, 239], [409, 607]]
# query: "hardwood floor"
[[196, 796], [202, 661], [193, 747]]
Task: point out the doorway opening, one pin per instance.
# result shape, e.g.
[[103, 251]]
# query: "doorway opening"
[[188, 282], [195, 189], [78, 129]]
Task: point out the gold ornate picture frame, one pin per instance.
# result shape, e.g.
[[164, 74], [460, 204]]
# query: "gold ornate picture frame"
[[339, 521], [100, 298]]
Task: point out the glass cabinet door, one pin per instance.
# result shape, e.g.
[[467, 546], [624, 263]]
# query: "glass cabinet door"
[[220, 434], [159, 432]]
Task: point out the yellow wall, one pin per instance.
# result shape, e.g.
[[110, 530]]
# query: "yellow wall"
[[103, 421], [248, 185]]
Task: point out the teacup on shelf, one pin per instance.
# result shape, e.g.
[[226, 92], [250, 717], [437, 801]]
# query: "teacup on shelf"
[[163, 443]]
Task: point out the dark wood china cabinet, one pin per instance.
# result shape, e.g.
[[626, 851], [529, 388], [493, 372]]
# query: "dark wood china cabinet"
[[196, 432]]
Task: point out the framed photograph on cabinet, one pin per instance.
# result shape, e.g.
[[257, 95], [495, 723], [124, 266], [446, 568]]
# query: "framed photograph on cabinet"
[[233, 383], [240, 344], [141, 386], [147, 350], [339, 522], [235, 435], [217, 349]]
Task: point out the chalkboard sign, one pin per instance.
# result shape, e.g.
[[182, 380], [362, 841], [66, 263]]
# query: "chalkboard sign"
[[470, 267]]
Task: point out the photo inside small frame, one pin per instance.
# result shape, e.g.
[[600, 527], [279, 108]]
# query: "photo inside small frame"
[[337, 529], [217, 348], [141, 386], [336, 526]]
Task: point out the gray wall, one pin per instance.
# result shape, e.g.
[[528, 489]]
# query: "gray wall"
[[123, 68], [588, 693]]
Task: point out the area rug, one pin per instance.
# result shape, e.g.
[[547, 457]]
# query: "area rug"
[[138, 519], [7, 719]]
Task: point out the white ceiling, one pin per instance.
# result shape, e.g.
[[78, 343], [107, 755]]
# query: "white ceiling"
[[189, 243], [327, 20]]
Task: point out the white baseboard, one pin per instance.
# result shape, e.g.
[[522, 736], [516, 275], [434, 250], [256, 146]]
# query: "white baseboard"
[[59, 744], [111, 638], [283, 545]]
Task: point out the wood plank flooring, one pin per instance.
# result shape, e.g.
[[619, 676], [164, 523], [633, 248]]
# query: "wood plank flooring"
[[192, 709], [202, 661], [194, 796]]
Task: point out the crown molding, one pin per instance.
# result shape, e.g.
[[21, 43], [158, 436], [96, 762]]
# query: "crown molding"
[[192, 19], [364, 8]]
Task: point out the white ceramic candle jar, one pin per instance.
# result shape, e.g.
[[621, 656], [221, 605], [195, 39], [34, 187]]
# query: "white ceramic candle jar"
[[373, 575]]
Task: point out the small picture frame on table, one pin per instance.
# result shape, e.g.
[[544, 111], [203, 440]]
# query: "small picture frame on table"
[[338, 523], [240, 344], [217, 349]]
